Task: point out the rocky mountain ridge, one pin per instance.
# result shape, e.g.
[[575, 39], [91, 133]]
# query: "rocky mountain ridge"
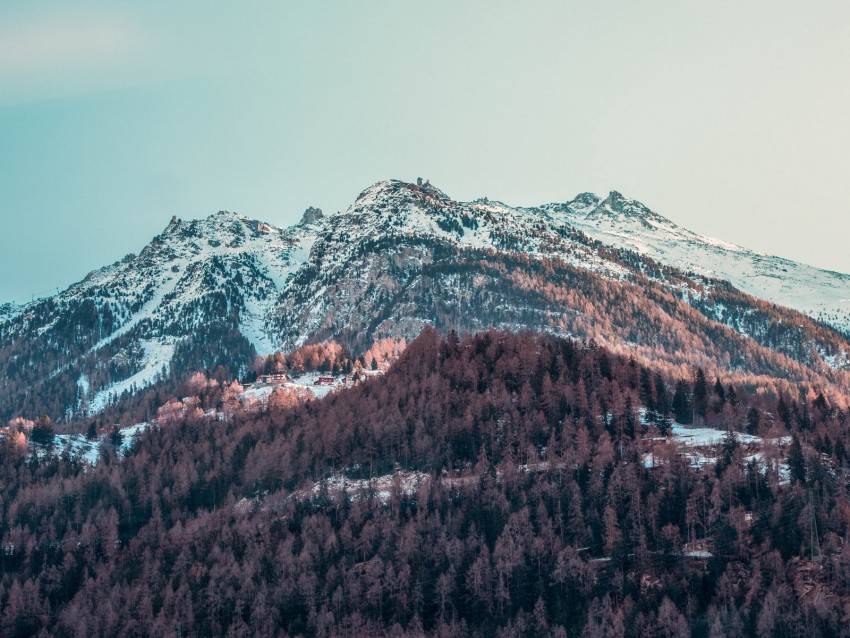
[[217, 291], [624, 223]]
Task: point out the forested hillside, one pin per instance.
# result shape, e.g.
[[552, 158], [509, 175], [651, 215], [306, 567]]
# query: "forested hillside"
[[496, 484]]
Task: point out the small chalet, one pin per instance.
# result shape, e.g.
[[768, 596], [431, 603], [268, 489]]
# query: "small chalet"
[[272, 379], [325, 381]]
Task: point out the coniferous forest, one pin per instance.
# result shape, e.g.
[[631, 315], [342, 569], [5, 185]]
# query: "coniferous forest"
[[497, 484]]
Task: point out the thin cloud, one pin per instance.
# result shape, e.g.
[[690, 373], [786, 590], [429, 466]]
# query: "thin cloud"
[[70, 53]]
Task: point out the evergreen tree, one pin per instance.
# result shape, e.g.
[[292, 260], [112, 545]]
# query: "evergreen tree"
[[719, 391], [662, 399], [700, 394], [753, 419], [784, 412], [797, 461], [665, 424], [647, 394], [115, 436], [453, 341], [42, 432], [727, 451], [682, 406]]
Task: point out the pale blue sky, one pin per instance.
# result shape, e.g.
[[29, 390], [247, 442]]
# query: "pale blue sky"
[[730, 118]]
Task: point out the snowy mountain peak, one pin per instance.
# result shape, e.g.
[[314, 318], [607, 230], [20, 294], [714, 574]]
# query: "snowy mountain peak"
[[584, 203], [311, 216], [224, 216], [394, 191], [218, 290], [173, 225], [381, 190], [223, 220], [617, 206], [627, 223], [221, 227]]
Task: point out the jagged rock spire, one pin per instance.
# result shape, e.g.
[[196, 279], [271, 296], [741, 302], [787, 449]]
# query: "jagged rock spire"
[[312, 215]]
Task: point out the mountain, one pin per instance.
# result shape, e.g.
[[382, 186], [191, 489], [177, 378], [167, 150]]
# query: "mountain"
[[626, 223], [215, 292]]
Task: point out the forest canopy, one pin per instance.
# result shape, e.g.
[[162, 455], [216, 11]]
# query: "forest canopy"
[[493, 484]]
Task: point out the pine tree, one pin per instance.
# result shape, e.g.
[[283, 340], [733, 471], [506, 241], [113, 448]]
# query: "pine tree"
[[700, 394], [42, 432], [719, 391], [662, 399], [682, 406], [647, 394], [753, 419], [727, 451], [797, 461], [453, 341], [784, 412]]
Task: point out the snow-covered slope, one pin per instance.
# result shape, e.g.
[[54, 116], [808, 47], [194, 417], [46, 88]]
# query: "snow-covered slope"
[[8, 311], [217, 291], [626, 223], [202, 290], [190, 259]]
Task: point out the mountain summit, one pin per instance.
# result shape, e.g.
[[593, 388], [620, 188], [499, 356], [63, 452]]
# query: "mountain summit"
[[616, 208], [217, 291], [625, 223]]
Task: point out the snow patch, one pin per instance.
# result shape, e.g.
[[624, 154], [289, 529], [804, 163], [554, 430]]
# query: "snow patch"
[[157, 355], [78, 446]]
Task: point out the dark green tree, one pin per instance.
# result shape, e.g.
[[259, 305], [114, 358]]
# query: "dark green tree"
[[115, 436], [727, 452], [662, 399], [797, 461], [42, 432], [784, 412], [700, 394], [682, 406], [719, 390], [647, 393], [753, 419]]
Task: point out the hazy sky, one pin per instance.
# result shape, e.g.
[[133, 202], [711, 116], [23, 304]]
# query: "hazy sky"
[[731, 118]]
